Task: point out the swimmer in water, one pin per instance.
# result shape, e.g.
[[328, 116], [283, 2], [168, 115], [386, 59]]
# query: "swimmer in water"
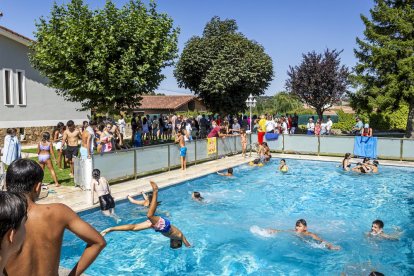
[[283, 167], [196, 196], [146, 202], [377, 231], [301, 229], [346, 165], [159, 224], [228, 173], [363, 167]]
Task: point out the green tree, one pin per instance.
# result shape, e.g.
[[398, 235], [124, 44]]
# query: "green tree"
[[223, 67], [284, 102], [385, 72], [319, 81], [104, 59]]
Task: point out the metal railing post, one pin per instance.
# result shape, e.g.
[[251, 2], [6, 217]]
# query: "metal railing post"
[[169, 158], [250, 139], [283, 143], [401, 149], [235, 146], [217, 148], [135, 164], [319, 145], [195, 151]]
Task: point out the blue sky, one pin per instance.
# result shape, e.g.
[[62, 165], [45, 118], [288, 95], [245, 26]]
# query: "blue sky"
[[286, 28]]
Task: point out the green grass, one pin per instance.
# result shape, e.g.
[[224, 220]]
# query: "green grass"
[[62, 175], [34, 150]]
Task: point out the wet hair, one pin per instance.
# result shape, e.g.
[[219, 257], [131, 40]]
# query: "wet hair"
[[13, 209], [347, 155], [256, 161], [96, 174], [175, 244], [23, 175], [376, 163], [378, 222], [284, 161], [366, 159], [376, 273], [301, 221], [70, 123], [197, 195], [46, 136], [230, 170]]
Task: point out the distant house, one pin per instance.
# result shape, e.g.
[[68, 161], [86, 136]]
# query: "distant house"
[[169, 104], [26, 103]]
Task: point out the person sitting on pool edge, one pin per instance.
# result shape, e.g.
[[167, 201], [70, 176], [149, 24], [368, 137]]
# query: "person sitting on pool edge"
[[256, 162], [159, 224], [301, 228], [197, 196], [228, 173], [283, 167], [377, 230]]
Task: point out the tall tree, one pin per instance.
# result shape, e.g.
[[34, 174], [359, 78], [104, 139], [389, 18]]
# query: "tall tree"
[[284, 102], [320, 80], [385, 72], [104, 59], [223, 67]]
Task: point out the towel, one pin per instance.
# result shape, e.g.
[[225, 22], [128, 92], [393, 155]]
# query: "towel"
[[271, 136], [11, 150], [365, 146]]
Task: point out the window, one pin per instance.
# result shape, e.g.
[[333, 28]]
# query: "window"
[[20, 87], [7, 87]]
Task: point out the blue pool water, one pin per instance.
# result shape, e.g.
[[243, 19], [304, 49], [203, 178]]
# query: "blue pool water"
[[338, 206]]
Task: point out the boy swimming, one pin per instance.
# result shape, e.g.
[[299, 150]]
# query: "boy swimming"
[[228, 173], [159, 224], [377, 230], [197, 196], [301, 229]]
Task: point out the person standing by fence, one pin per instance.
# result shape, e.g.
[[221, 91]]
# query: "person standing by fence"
[[262, 129]]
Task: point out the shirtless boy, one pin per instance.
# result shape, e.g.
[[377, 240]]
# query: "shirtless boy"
[[377, 230], [301, 229], [13, 214], [45, 225], [88, 138], [71, 137], [159, 224], [183, 149]]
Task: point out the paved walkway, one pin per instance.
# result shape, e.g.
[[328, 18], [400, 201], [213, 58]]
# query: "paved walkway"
[[80, 200]]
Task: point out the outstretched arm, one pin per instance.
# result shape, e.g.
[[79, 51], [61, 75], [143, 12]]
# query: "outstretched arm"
[[327, 244], [134, 201], [94, 242]]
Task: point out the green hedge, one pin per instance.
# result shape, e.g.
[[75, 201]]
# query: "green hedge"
[[345, 121]]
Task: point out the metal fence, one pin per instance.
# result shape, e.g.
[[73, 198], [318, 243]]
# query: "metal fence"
[[131, 163], [136, 162]]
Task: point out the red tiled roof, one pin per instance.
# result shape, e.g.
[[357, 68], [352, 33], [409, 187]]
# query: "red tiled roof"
[[164, 102], [16, 34]]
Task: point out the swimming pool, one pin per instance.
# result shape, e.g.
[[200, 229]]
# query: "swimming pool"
[[338, 206]]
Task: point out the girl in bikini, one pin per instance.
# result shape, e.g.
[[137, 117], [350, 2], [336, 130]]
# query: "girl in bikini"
[[346, 165], [159, 224], [44, 151], [57, 142]]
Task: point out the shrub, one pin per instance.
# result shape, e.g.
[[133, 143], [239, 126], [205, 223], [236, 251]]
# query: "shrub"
[[345, 121]]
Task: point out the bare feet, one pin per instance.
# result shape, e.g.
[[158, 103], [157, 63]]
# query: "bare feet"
[[154, 185], [57, 185]]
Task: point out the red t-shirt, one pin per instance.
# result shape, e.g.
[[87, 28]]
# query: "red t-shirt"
[[214, 132]]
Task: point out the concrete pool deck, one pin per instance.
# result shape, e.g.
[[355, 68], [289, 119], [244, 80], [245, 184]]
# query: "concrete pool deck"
[[79, 200]]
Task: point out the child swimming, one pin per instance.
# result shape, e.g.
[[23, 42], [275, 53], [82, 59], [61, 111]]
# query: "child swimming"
[[197, 196], [228, 173], [301, 229], [377, 231], [159, 224], [283, 167]]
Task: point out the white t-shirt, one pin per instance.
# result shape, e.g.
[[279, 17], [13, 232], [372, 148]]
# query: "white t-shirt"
[[284, 128], [329, 125], [270, 126], [236, 127], [310, 126]]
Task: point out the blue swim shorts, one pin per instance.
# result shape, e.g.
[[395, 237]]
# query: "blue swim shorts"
[[183, 151]]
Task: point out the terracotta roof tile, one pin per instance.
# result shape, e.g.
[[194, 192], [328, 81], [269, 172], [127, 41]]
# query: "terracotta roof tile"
[[164, 102]]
